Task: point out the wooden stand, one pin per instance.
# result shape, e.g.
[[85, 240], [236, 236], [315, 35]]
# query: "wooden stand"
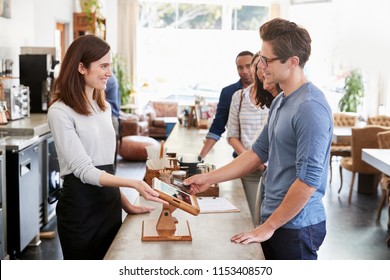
[[211, 191], [166, 228]]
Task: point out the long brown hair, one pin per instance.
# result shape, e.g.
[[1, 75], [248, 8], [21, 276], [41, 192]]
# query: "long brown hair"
[[69, 87], [263, 97]]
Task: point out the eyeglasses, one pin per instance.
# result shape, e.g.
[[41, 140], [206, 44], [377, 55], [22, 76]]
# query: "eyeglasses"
[[266, 60]]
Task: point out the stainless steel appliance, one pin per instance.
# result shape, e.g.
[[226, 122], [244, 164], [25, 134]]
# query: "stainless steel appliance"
[[51, 181], [18, 102], [23, 186]]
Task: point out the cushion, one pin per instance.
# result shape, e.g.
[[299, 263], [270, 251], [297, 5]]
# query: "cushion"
[[158, 122], [347, 163], [133, 147]]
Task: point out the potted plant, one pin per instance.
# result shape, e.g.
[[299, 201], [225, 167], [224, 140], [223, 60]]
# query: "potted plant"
[[91, 6], [120, 71], [354, 92]]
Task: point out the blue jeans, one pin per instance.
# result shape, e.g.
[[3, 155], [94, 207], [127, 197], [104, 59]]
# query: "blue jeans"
[[295, 244]]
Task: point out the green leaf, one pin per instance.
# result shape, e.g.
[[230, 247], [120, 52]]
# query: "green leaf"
[[354, 92], [120, 70]]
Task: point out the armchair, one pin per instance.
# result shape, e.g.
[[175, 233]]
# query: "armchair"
[[340, 149], [364, 137], [158, 113], [379, 120], [384, 143], [131, 124]]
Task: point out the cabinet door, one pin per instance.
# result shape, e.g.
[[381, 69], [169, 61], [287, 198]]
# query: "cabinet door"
[[30, 184], [88, 24]]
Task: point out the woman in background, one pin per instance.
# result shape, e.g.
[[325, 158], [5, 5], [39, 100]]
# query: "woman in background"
[[247, 117], [89, 210]]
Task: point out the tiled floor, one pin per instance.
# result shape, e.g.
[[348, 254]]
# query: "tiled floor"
[[352, 231]]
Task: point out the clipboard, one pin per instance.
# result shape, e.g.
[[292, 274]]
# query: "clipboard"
[[210, 205]]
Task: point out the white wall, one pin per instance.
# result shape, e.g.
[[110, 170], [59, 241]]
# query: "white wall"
[[33, 22], [347, 34], [110, 9]]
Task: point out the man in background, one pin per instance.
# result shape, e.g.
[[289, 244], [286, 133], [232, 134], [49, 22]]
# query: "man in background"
[[113, 97], [218, 127]]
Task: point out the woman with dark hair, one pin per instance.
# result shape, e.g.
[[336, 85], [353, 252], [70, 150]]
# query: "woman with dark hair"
[[265, 92], [89, 209]]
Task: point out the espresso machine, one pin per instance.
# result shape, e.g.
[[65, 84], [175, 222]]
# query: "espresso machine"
[[36, 72]]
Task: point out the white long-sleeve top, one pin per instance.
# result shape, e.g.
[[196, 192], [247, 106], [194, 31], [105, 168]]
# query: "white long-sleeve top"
[[82, 142], [251, 118]]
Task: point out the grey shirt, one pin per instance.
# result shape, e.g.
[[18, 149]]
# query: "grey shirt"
[[82, 142]]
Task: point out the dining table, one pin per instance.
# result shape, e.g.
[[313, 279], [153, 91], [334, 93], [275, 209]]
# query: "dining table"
[[342, 134], [380, 159]]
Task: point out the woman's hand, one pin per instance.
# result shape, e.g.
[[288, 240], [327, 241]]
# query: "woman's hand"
[[130, 208], [138, 209], [147, 192]]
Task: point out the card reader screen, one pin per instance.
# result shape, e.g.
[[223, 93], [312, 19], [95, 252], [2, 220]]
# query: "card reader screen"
[[172, 191]]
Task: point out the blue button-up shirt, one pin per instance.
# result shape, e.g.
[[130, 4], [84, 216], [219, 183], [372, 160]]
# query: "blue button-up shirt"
[[296, 143], [113, 95], [218, 126]]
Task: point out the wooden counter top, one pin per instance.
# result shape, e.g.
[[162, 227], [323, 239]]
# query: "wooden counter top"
[[210, 232]]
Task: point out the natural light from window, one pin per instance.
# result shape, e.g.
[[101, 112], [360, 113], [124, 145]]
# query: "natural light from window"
[[195, 44]]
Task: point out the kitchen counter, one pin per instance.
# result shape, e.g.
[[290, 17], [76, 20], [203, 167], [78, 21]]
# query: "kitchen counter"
[[18, 143], [35, 125]]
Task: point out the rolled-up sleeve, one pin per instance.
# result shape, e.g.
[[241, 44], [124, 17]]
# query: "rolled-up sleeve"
[[312, 129]]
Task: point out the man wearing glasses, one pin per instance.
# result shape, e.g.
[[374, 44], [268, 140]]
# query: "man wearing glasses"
[[295, 142]]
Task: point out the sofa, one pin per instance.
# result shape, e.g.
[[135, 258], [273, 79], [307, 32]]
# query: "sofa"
[[132, 124], [158, 113]]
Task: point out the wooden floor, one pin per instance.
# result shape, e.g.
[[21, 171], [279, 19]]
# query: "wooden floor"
[[352, 231]]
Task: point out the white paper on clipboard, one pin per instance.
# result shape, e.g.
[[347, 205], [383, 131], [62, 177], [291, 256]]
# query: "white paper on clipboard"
[[216, 205]]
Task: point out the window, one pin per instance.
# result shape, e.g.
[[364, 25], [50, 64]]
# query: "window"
[[249, 17], [184, 43], [201, 16]]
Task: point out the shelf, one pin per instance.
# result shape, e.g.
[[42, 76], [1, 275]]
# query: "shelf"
[[7, 78], [83, 25]]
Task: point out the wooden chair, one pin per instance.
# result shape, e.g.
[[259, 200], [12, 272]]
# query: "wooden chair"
[[379, 120], [340, 149], [364, 137], [384, 143]]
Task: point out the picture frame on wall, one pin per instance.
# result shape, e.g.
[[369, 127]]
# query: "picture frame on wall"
[[5, 8]]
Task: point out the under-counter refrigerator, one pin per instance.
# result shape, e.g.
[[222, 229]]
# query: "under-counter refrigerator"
[[23, 185]]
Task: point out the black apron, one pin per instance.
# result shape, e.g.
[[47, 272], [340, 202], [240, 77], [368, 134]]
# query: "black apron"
[[88, 218]]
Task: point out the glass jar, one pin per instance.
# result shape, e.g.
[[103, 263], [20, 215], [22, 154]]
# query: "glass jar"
[[177, 177]]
